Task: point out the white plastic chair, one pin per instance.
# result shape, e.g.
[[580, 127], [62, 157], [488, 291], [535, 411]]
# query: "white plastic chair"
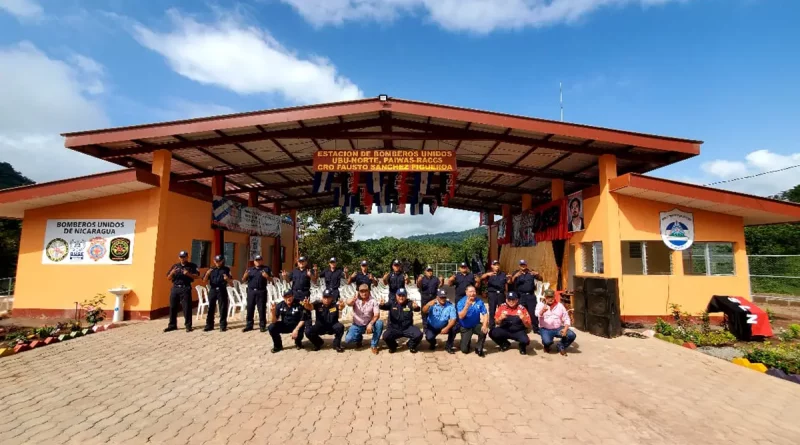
[[235, 302], [202, 296]]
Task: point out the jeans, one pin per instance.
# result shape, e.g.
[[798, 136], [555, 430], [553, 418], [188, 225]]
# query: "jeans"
[[549, 334], [356, 333]]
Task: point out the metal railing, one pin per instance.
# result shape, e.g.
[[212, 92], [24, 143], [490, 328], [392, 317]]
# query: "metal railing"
[[774, 274]]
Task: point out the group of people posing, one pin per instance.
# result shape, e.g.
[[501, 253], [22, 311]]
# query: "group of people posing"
[[513, 309]]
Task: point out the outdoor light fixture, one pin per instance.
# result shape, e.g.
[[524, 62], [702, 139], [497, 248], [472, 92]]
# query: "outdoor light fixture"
[[383, 97]]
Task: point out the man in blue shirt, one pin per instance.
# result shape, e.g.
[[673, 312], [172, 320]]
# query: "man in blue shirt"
[[441, 317], [472, 319]]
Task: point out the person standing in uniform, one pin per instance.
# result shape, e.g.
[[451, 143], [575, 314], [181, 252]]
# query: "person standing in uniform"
[[462, 279], [554, 323], [287, 316], [512, 322], [401, 322], [218, 279], [428, 286], [364, 276], [497, 286], [441, 315], [396, 280], [366, 319], [524, 282], [326, 321], [301, 279], [472, 319], [333, 278], [181, 274], [257, 278]]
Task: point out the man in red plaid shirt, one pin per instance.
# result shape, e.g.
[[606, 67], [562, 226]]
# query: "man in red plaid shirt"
[[512, 322]]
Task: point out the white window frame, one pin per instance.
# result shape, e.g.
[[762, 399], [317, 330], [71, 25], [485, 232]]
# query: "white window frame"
[[598, 267], [707, 259], [644, 257]]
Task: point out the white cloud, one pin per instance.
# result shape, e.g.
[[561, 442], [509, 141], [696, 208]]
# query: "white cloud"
[[759, 161], [43, 97], [478, 16], [400, 226], [245, 59], [23, 9]]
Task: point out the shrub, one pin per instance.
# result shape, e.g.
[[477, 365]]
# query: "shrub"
[[770, 315], [715, 338], [45, 331], [94, 309], [784, 356], [790, 334], [664, 328]]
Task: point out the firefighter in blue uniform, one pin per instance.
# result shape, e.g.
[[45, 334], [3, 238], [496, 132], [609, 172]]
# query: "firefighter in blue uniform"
[[288, 316], [524, 282], [218, 279], [181, 274], [326, 321], [462, 279], [301, 279], [257, 278], [396, 279], [496, 288], [333, 278], [363, 276], [428, 286], [401, 322]]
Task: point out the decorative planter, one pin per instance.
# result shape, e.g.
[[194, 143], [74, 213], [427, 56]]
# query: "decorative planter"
[[21, 347], [109, 326], [64, 337], [51, 340], [75, 334], [6, 351], [36, 343], [689, 345], [87, 331]]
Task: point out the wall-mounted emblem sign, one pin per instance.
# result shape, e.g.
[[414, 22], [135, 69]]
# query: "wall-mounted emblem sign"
[[677, 229], [88, 241], [385, 161]]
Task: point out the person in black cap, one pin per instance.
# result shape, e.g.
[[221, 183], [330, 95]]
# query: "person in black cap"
[[333, 278], [363, 276], [401, 322], [287, 316], [462, 279], [524, 282], [496, 288], [326, 321], [257, 278], [217, 278], [442, 319], [181, 274], [428, 286], [301, 279], [512, 322], [396, 280]]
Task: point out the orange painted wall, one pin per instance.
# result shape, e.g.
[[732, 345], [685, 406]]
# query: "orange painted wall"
[[41, 286]]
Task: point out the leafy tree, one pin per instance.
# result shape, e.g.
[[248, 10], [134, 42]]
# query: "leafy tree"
[[778, 239], [324, 234], [10, 229]]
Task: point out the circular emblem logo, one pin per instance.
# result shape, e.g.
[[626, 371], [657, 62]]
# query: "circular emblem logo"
[[119, 249], [97, 248], [57, 249]]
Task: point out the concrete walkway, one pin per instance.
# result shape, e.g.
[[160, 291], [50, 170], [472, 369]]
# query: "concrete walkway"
[[137, 385]]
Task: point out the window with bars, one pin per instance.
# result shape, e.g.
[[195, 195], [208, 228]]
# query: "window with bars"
[[646, 258], [592, 257], [201, 253], [711, 259]]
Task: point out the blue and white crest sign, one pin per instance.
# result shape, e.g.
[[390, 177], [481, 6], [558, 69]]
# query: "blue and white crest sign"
[[677, 229]]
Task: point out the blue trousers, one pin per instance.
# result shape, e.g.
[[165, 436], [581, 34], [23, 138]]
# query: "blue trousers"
[[356, 333], [549, 334]]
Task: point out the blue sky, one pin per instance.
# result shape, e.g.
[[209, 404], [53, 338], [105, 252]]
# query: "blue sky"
[[717, 70]]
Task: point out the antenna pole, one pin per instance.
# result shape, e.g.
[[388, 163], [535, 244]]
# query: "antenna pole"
[[561, 99]]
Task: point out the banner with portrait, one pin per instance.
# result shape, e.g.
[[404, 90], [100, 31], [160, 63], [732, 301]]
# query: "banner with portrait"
[[504, 231], [543, 223], [575, 222], [88, 241], [231, 215]]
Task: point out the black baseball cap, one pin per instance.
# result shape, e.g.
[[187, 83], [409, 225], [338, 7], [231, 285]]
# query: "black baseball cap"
[[364, 263], [442, 293], [429, 268], [463, 265], [302, 258], [332, 260], [258, 258], [396, 263], [523, 262], [183, 254], [512, 296], [495, 262], [401, 291], [288, 293], [219, 258], [327, 293]]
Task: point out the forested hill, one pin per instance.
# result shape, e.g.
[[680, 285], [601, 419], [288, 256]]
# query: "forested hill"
[[449, 237]]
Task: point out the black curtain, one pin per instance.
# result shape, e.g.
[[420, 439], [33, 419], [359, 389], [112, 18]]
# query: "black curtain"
[[558, 252]]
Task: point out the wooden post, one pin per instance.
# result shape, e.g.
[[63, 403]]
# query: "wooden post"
[[218, 244], [276, 246]]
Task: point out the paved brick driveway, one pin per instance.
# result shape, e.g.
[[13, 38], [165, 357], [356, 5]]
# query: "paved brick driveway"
[[137, 385]]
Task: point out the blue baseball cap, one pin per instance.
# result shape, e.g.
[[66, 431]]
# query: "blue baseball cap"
[[288, 293], [327, 293], [183, 254], [512, 296], [442, 293], [401, 291]]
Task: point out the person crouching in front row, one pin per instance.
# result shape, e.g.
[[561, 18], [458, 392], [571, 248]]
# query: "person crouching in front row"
[[366, 319], [554, 323], [287, 316], [512, 322], [326, 321], [401, 322]]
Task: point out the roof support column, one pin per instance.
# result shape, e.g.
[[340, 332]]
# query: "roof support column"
[[608, 210], [218, 244], [490, 254], [157, 233], [295, 248], [276, 246], [252, 201], [556, 189], [527, 201]]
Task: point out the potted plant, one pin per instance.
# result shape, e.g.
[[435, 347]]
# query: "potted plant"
[[94, 312]]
